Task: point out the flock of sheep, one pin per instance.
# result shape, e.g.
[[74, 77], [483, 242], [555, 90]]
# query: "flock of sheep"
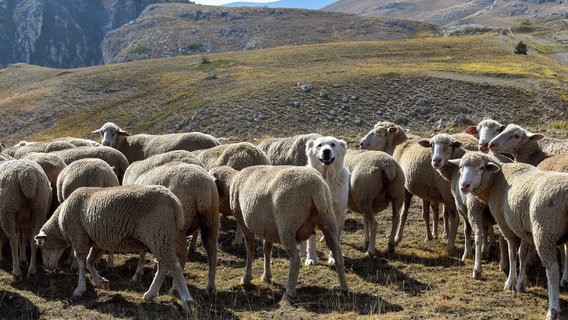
[[148, 193]]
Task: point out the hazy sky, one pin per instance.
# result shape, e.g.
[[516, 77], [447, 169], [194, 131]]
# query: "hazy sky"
[[220, 2]]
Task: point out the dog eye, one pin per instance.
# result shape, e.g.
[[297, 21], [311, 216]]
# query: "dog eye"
[[333, 145], [319, 145]]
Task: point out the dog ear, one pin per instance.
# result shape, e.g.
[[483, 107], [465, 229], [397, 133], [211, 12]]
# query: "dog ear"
[[343, 144], [309, 146]]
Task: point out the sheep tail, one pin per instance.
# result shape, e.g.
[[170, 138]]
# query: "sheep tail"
[[323, 204], [208, 208], [390, 172], [28, 183]]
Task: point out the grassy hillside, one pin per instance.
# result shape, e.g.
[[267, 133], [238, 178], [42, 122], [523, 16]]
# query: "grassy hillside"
[[248, 95]]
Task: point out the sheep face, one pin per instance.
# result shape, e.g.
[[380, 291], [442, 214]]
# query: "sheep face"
[[376, 139], [512, 139], [472, 167], [109, 134], [487, 130], [326, 150], [51, 249], [443, 148]]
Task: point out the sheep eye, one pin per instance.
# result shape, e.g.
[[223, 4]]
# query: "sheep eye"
[[516, 136]]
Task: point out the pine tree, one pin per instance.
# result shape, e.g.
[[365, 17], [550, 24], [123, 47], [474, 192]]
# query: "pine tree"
[[521, 48]]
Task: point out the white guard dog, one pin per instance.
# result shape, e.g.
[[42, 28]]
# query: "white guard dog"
[[326, 154]]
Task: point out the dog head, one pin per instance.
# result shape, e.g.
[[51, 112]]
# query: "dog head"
[[326, 150]]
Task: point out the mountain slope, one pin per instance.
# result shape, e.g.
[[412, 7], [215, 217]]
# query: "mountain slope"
[[300, 4], [458, 12], [167, 30]]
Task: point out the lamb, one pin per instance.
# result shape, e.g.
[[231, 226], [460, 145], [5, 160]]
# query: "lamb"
[[197, 192], [141, 146], [138, 168], [376, 181], [113, 157], [281, 204], [476, 214], [529, 204], [288, 150], [125, 218], [25, 197]]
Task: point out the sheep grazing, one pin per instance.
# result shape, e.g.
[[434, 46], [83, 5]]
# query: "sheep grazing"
[[138, 168], [141, 146], [475, 213], [529, 204], [88, 172], [280, 204], [120, 219], [486, 130], [113, 157], [376, 181], [25, 198], [52, 165], [197, 192], [235, 155], [289, 150]]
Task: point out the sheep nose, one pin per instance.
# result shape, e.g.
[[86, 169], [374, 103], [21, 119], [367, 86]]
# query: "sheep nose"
[[464, 187], [436, 162], [484, 147], [106, 143]]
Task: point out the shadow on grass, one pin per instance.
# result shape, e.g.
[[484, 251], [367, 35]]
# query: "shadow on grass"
[[15, 306]]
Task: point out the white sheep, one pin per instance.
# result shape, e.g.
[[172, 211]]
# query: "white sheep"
[[485, 130], [475, 213], [287, 150], [88, 172], [138, 168], [197, 192], [25, 198], [21, 149], [141, 146], [280, 204], [121, 219], [529, 204], [113, 157], [52, 165], [557, 162], [376, 181]]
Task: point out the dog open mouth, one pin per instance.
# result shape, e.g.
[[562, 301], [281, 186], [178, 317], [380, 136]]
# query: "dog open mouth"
[[327, 160]]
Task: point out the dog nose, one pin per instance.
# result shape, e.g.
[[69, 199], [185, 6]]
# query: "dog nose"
[[326, 153]]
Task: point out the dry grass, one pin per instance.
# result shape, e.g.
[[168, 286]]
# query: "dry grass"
[[420, 280]]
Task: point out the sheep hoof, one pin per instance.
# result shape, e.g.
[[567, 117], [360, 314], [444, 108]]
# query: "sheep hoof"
[[331, 261], [520, 287], [267, 279], [563, 283], [553, 314], [186, 305], [105, 284], [78, 292], [311, 262], [476, 274], [149, 296], [391, 247], [288, 298]]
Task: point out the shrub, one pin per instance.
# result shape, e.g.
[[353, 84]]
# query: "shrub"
[[521, 48]]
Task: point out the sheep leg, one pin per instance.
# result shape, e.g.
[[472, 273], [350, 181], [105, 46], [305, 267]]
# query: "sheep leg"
[[366, 232], [372, 237], [156, 282], [546, 249], [22, 247], [403, 216], [426, 218], [503, 254], [110, 260], [267, 275], [179, 280], [238, 242], [523, 256], [249, 244], [467, 253], [295, 263], [139, 267], [193, 244], [312, 255], [453, 225], [209, 238], [82, 282], [513, 245], [14, 248], [333, 244], [33, 249], [564, 280], [92, 257]]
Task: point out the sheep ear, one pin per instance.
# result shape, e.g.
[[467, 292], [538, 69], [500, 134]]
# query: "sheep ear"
[[455, 161], [457, 144], [535, 136], [501, 128], [123, 133], [471, 130], [98, 131], [425, 143], [393, 129], [492, 167]]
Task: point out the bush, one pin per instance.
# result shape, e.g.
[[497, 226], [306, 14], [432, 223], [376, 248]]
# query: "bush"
[[521, 48]]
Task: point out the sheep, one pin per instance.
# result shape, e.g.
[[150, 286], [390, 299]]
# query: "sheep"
[[113, 157], [141, 146], [476, 214], [557, 162], [422, 180], [88, 172], [23, 148], [529, 204], [523, 145], [486, 130], [281, 204], [197, 192], [25, 198], [288, 150], [138, 168], [52, 165], [237, 156], [124, 218], [376, 181]]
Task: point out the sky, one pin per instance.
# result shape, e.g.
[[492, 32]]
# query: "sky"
[[220, 2]]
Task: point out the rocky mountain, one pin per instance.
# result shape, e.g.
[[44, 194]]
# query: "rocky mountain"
[[165, 30], [491, 13], [300, 4], [61, 33]]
